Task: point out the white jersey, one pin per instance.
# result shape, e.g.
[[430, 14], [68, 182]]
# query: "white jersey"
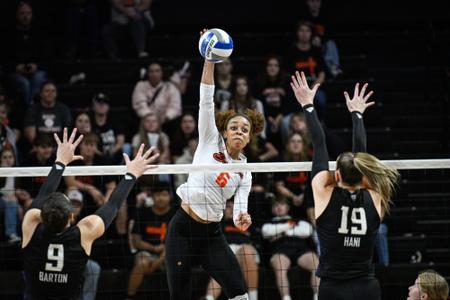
[[206, 193]]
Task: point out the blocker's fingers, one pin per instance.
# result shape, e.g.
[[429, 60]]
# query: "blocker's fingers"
[[368, 96], [148, 152], [304, 81], [126, 158], [347, 97], [72, 135], [356, 91], [65, 135], [78, 157], [141, 149], [58, 141], [78, 141], [294, 83], [363, 90]]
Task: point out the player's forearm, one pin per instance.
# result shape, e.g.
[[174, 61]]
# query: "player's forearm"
[[208, 73], [49, 186], [359, 133], [109, 210], [320, 156]]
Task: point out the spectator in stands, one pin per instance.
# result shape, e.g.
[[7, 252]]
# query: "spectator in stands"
[[151, 135], [321, 38], [112, 138], [290, 241], [292, 186], [223, 81], [7, 135], [241, 244], [28, 49], [303, 56], [42, 155], [83, 123], [335, 145], [271, 89], [96, 189], [242, 99], [180, 137], [148, 235], [8, 199], [48, 115], [156, 96], [82, 16], [429, 285], [128, 15], [186, 158], [92, 272], [381, 244]]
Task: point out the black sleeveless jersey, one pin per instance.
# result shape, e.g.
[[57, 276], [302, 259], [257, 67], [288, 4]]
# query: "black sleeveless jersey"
[[54, 264], [347, 230]]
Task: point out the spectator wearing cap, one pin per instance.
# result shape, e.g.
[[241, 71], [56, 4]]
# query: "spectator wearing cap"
[[156, 96], [93, 269], [48, 115], [112, 138]]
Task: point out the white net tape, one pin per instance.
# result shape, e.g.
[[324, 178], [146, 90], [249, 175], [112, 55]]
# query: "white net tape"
[[411, 164]]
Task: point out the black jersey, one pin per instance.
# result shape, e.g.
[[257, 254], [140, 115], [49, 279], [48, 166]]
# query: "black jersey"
[[347, 230], [54, 264], [234, 235]]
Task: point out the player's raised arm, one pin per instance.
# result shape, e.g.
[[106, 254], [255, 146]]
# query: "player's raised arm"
[[356, 106], [93, 226], [65, 154]]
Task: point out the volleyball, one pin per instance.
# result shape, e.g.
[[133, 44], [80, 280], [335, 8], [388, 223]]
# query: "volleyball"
[[215, 45]]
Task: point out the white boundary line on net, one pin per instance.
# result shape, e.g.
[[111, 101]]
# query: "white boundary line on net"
[[409, 164]]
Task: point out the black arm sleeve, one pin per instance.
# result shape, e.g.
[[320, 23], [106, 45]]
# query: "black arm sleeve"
[[320, 156], [108, 211], [359, 133], [49, 186]]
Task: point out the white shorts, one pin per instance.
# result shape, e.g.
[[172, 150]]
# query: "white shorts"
[[235, 248]]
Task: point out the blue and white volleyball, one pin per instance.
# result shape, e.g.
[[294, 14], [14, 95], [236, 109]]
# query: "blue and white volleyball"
[[215, 45]]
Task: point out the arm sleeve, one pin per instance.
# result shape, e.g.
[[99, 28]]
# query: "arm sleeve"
[[139, 100], [49, 186], [207, 129], [270, 230], [320, 156], [359, 133], [302, 230], [174, 109], [241, 196], [109, 210]]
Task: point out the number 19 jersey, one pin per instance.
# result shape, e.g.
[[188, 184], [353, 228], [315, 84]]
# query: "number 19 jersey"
[[347, 230], [54, 264]]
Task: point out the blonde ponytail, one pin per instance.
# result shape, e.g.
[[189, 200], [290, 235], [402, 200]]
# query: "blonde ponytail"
[[383, 179]]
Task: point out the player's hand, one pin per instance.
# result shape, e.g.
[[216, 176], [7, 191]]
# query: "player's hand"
[[303, 93], [65, 153], [141, 162], [243, 221], [359, 101]]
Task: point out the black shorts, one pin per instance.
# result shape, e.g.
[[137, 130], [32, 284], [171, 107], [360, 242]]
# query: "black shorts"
[[366, 288], [294, 250]]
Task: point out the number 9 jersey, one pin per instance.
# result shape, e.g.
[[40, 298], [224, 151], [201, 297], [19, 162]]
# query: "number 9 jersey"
[[347, 230], [54, 264]]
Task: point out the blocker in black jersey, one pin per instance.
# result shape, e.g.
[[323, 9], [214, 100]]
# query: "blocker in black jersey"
[[54, 264], [55, 255], [347, 229]]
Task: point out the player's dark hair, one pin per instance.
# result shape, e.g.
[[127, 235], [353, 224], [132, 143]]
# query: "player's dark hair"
[[55, 212]]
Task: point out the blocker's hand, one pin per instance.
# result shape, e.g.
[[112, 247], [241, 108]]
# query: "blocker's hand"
[[141, 162], [303, 93], [359, 101], [65, 153]]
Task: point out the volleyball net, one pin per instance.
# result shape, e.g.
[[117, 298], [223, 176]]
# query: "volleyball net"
[[414, 236]]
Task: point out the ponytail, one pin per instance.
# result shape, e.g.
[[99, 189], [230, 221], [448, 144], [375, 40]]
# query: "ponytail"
[[383, 179]]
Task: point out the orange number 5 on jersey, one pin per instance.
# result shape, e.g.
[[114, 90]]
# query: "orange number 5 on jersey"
[[222, 179]]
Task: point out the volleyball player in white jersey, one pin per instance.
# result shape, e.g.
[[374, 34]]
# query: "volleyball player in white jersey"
[[194, 235]]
